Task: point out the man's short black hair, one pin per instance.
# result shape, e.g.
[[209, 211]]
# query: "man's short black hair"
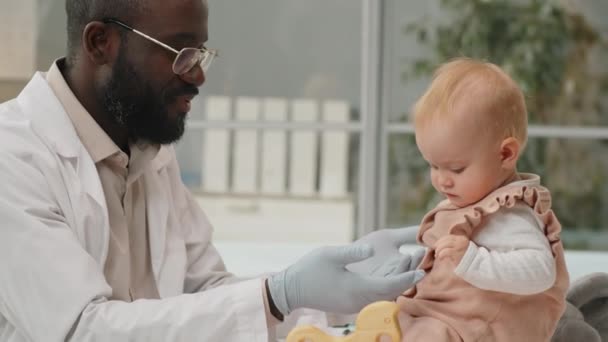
[[82, 12]]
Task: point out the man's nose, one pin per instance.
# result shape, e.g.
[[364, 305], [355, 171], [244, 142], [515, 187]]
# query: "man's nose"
[[196, 76]]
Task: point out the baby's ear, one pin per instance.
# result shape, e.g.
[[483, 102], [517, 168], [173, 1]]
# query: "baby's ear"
[[509, 152]]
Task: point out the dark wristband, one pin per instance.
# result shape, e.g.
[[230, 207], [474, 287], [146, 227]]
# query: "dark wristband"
[[273, 308]]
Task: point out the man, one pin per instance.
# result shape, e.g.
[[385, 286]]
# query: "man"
[[99, 238]]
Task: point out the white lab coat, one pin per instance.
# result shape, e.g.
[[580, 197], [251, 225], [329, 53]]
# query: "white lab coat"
[[54, 235]]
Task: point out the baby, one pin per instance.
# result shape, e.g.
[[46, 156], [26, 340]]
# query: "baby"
[[495, 264]]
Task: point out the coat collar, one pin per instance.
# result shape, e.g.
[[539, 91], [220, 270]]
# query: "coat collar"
[[48, 118], [51, 122]]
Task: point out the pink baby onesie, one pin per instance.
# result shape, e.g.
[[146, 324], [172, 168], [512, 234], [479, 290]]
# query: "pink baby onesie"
[[444, 307]]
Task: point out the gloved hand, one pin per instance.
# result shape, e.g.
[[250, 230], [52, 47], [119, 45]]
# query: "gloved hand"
[[321, 281], [387, 259]]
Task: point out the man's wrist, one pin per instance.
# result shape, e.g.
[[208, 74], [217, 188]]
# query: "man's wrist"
[[271, 305]]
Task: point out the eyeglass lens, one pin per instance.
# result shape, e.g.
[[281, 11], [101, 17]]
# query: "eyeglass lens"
[[188, 58]]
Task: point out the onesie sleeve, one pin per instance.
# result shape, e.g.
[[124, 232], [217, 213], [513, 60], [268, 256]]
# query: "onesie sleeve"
[[511, 253]]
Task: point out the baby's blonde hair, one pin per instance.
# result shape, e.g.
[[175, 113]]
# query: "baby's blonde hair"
[[485, 89]]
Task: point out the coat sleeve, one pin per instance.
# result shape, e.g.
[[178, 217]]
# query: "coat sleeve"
[[52, 290], [206, 269]]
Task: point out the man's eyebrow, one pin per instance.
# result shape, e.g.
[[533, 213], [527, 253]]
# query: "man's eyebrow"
[[185, 38]]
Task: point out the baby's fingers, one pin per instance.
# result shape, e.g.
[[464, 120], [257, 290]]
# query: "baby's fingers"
[[444, 243], [443, 253]]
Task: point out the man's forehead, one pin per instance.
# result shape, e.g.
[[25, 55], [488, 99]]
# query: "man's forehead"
[[171, 3], [173, 10], [184, 20]]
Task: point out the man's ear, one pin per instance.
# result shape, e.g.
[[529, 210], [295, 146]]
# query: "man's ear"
[[100, 43], [509, 152]]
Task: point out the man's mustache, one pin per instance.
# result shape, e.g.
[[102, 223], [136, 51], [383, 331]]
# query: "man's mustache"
[[182, 91]]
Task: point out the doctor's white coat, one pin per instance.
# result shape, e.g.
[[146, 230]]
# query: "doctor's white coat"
[[54, 235]]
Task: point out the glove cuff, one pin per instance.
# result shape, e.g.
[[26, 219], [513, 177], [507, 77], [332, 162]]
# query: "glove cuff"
[[276, 287]]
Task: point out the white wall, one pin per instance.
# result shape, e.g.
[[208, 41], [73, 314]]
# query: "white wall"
[[18, 32]]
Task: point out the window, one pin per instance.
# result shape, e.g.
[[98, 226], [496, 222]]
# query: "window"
[[568, 143], [271, 151]]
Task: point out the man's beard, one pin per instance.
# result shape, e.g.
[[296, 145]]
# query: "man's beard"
[[133, 104]]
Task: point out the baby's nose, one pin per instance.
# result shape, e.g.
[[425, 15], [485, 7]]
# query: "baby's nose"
[[446, 182]]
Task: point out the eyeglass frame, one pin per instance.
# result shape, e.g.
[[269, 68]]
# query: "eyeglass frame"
[[206, 53]]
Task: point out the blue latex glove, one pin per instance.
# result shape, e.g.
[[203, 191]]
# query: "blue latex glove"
[[387, 259], [321, 281]]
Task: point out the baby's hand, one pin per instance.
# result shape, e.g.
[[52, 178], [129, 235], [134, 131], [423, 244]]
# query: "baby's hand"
[[451, 246]]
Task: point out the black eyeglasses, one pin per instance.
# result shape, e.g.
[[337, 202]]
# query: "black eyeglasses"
[[187, 58]]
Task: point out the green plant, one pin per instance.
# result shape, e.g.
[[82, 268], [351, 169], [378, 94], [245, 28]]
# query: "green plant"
[[543, 46]]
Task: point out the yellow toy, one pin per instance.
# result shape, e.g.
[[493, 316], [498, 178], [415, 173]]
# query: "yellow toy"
[[376, 322]]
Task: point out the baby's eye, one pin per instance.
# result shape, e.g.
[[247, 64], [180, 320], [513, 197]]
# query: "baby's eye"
[[458, 170]]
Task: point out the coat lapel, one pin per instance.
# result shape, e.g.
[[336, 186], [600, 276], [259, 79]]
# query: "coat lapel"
[[52, 124], [158, 200]]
